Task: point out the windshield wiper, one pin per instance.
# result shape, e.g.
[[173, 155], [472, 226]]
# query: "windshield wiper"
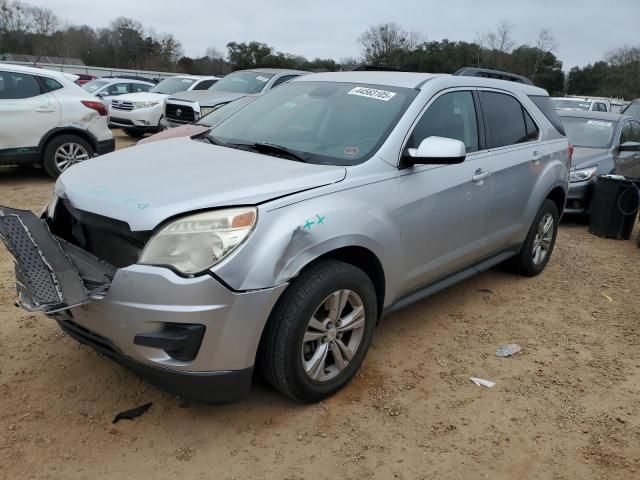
[[272, 147]]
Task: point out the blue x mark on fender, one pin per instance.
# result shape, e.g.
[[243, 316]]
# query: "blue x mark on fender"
[[309, 223]]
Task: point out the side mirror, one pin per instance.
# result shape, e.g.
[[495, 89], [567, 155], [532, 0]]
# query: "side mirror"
[[630, 147], [436, 151], [102, 94]]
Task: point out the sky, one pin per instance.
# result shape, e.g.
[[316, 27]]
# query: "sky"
[[585, 30]]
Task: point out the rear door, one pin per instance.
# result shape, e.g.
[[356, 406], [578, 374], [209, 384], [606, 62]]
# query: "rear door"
[[445, 207], [517, 159], [27, 112]]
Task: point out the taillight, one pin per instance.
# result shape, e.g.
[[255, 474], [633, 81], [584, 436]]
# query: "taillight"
[[97, 106], [570, 153]]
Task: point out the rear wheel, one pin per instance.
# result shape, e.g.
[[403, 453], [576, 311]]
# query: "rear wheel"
[[320, 331], [134, 132], [538, 245], [65, 151]]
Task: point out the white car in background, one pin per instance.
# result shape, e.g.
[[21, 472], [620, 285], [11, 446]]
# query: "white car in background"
[[47, 119], [140, 113], [108, 88], [582, 103]]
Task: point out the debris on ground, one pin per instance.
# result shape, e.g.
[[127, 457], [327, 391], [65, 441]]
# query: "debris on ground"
[[508, 350], [482, 382], [133, 413]]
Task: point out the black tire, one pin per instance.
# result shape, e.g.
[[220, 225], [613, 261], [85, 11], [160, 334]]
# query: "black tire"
[[49, 161], [524, 261], [134, 132], [280, 356]]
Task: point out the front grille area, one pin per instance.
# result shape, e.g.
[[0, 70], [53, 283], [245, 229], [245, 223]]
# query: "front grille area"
[[122, 105], [110, 240], [180, 113]]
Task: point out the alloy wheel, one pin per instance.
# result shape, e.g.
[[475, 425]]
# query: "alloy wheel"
[[69, 154], [542, 240], [333, 335]]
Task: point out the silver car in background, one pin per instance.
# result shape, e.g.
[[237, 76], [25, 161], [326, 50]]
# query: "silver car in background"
[[603, 144], [279, 238]]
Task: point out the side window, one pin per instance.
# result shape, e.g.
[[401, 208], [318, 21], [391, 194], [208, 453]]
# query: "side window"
[[453, 115], [50, 84], [138, 87], [636, 131], [204, 85], [117, 89], [282, 79], [533, 132], [627, 133], [504, 119], [14, 85]]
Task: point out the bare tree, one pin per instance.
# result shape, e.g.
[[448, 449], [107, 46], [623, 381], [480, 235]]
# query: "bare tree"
[[500, 40], [213, 53], [546, 41], [43, 21], [382, 43]]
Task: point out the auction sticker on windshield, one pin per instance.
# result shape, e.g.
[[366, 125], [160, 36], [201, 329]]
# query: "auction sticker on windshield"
[[383, 95]]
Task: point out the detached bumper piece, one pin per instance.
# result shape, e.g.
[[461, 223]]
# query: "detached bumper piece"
[[49, 271]]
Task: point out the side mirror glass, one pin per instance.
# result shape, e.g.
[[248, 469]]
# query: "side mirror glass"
[[436, 151], [630, 147]]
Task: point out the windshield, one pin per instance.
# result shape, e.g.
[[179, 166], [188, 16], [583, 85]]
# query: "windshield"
[[324, 122], [95, 85], [169, 86], [588, 133], [243, 82], [572, 104], [633, 110], [224, 111]]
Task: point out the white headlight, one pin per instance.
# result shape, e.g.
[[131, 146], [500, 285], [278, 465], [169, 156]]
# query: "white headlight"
[[195, 243], [583, 175], [145, 104], [207, 110]]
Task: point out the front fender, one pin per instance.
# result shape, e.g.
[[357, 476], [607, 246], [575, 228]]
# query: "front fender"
[[288, 238]]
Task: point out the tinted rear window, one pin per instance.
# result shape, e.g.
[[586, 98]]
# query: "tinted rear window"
[[504, 119], [546, 107]]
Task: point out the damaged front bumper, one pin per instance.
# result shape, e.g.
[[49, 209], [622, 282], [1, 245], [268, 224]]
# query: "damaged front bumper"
[[193, 337], [52, 275]]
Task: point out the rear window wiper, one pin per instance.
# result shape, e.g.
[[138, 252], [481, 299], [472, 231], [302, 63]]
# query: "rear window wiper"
[[272, 147]]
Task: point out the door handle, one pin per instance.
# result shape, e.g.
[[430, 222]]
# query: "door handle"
[[44, 109], [480, 175], [537, 156]]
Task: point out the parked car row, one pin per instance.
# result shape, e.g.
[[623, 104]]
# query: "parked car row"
[[279, 233], [47, 119]]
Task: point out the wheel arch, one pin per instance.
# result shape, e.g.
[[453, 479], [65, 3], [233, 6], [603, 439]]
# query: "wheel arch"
[[65, 130], [559, 196]]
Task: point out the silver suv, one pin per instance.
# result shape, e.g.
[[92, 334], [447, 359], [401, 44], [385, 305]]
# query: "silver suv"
[[279, 238]]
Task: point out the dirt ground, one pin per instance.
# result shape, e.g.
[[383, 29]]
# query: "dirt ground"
[[566, 407]]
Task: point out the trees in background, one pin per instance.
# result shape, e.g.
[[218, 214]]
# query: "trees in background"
[[617, 76], [126, 43]]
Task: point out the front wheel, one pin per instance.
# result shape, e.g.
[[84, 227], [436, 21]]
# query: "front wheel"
[[538, 245], [320, 331]]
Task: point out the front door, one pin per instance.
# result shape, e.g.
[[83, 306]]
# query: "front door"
[[444, 207]]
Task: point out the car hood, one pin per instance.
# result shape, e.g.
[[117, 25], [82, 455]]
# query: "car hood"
[[177, 132], [208, 97], [585, 157], [147, 184], [141, 97]]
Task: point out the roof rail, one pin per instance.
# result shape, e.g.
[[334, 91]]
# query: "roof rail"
[[489, 73], [365, 67]]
